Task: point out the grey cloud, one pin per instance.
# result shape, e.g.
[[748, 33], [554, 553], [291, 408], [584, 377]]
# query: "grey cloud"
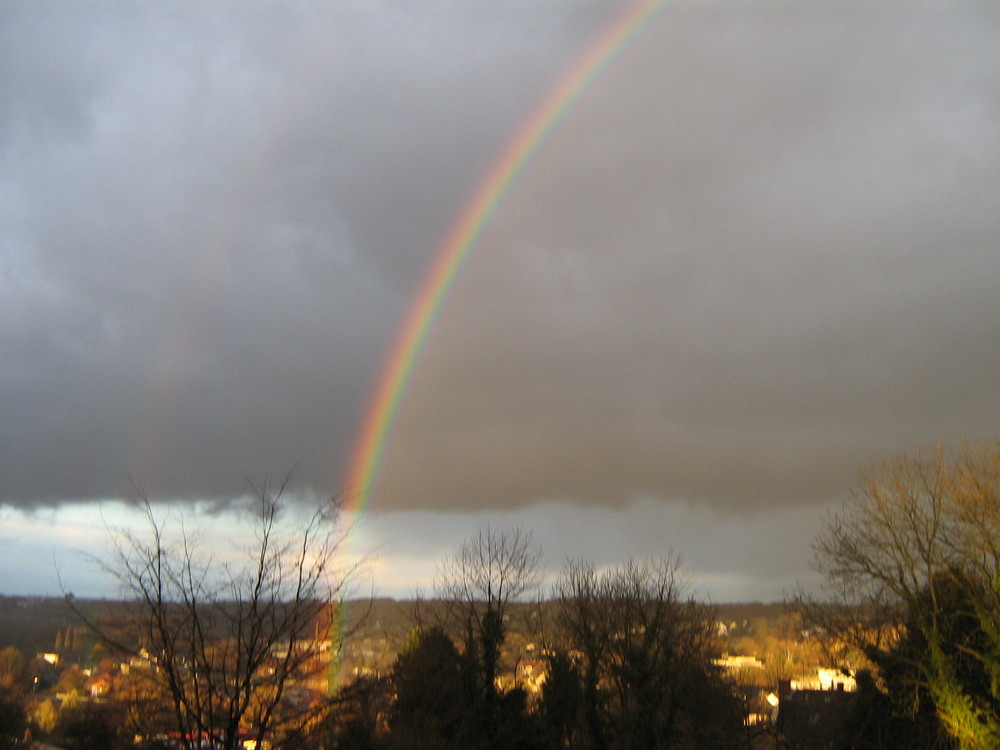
[[213, 218], [724, 556], [760, 256]]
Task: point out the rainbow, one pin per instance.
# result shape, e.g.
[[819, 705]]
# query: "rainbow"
[[462, 238]]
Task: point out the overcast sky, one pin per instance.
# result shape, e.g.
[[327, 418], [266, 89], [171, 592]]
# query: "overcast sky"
[[760, 252]]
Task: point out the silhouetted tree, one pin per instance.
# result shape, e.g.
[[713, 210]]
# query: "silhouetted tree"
[[919, 543], [91, 726], [898, 709], [71, 678], [646, 675], [13, 720], [13, 667], [561, 700], [356, 719], [228, 639], [893, 717], [488, 574], [517, 727], [431, 699], [45, 716]]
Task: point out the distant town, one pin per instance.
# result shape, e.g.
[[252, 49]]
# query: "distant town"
[[75, 691]]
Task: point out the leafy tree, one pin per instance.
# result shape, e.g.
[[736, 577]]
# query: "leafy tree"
[[517, 728], [915, 555], [13, 720], [897, 710], [90, 726], [45, 716], [13, 667], [431, 697], [355, 720], [562, 699], [892, 717], [71, 678]]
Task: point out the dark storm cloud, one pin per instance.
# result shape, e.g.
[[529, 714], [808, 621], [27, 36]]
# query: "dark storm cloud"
[[212, 217], [761, 254]]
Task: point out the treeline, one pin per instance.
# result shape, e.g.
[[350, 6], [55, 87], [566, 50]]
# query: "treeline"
[[618, 658], [33, 624], [627, 659]]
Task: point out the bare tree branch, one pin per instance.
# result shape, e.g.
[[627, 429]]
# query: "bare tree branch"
[[238, 647]]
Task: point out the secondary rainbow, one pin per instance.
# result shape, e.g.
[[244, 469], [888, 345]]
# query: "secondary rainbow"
[[462, 238]]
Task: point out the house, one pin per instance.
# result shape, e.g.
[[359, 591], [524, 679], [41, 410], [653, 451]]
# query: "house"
[[738, 663], [827, 678], [812, 719], [99, 686]]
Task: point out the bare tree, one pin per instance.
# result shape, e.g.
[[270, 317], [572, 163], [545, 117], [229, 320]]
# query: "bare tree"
[[644, 653], [492, 567], [488, 574], [236, 643], [584, 627], [915, 553]]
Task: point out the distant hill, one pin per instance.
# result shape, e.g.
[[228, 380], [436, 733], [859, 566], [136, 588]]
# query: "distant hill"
[[751, 611], [33, 624]]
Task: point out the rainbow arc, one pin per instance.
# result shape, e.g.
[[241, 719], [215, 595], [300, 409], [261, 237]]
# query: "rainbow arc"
[[461, 240]]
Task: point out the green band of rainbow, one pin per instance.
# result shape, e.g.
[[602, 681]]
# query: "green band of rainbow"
[[463, 237]]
